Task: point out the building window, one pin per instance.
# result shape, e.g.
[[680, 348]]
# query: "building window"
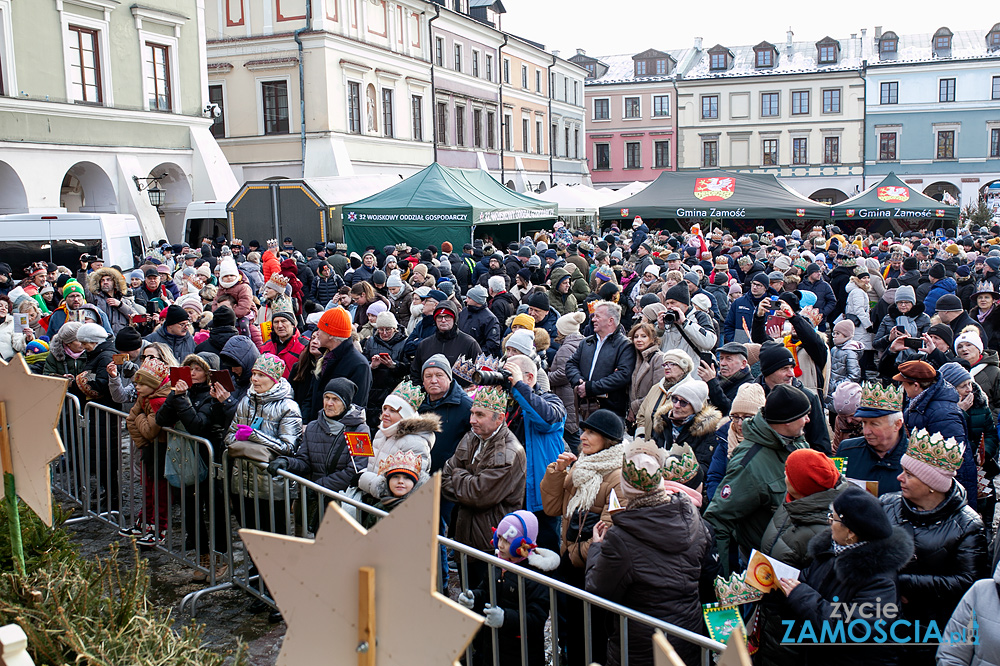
[[946, 145], [354, 107], [887, 146], [633, 107], [769, 152], [566, 138], [661, 105], [441, 123], [640, 68], [942, 41], [831, 150], [85, 65], [524, 76], [602, 109], [996, 85], [216, 97], [887, 44], [769, 105], [576, 142], [459, 125], [489, 67], [475, 64], [553, 138], [827, 54], [800, 102], [602, 156], [576, 93], [946, 90], [633, 157], [710, 106], [506, 70], [439, 51], [539, 137], [275, 96], [800, 151], [525, 135], [889, 92], [831, 100], [508, 132], [387, 124], [417, 111], [158, 77], [661, 154], [491, 139], [718, 61], [710, 153], [477, 128], [590, 70], [995, 142], [458, 57], [538, 80], [765, 58]]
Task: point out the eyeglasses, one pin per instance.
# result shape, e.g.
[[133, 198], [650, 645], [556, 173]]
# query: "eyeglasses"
[[680, 402], [737, 419], [831, 518]]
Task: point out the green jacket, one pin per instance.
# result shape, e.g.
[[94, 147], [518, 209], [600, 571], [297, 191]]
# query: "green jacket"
[[562, 303], [581, 284], [751, 491], [795, 523]]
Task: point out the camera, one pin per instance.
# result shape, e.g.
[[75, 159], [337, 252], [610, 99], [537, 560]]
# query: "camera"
[[491, 378], [669, 317]]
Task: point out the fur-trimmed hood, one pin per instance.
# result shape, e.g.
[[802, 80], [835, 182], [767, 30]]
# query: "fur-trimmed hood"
[[418, 424], [873, 558], [94, 280], [704, 422]]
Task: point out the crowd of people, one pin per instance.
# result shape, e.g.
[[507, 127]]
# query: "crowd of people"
[[631, 412]]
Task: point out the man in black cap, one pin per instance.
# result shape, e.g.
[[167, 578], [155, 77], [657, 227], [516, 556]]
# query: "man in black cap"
[[777, 368], [826, 301], [950, 311], [545, 316], [175, 332], [732, 373], [288, 245], [754, 484], [737, 325], [222, 328], [938, 284]]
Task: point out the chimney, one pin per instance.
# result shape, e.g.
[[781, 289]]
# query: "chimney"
[[788, 37], [878, 32], [854, 35], [697, 43], [864, 39], [581, 52]]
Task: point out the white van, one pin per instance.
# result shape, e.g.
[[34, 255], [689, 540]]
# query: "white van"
[[204, 219], [62, 237]]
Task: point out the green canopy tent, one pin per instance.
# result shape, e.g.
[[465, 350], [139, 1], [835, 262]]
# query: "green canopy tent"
[[440, 204], [718, 195], [893, 199]]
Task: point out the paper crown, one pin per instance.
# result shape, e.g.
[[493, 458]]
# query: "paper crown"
[[278, 279], [464, 367], [861, 270], [409, 392], [491, 398], [736, 590], [272, 242], [876, 396], [681, 465], [850, 262], [405, 461], [935, 450], [638, 476], [985, 287]]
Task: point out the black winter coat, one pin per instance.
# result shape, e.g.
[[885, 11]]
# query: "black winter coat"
[[652, 559], [97, 363], [323, 456], [218, 336], [950, 554], [504, 306], [612, 376], [698, 433], [199, 413], [991, 325], [536, 608], [482, 325], [839, 278], [384, 379], [325, 288], [453, 410], [344, 361], [453, 344]]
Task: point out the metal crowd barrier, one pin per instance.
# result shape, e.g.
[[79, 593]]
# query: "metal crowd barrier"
[[287, 504]]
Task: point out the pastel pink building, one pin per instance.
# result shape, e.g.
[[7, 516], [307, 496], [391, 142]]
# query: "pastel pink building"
[[631, 115]]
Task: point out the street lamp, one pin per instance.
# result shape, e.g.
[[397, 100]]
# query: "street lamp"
[[152, 189]]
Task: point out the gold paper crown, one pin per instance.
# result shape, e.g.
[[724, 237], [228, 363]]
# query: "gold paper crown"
[[491, 398], [735, 590], [401, 461], [935, 450], [850, 262], [464, 367], [272, 242], [681, 465], [640, 477], [411, 393], [876, 396], [861, 270], [279, 279]]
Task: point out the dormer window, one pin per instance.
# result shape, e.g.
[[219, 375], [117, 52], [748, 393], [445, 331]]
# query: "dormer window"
[[993, 38], [942, 39], [590, 70], [718, 61], [764, 55], [719, 58], [888, 43], [640, 68], [661, 67], [651, 63], [827, 51]]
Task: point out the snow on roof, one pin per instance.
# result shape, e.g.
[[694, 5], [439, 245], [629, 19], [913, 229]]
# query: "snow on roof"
[[621, 68], [797, 58], [965, 45]]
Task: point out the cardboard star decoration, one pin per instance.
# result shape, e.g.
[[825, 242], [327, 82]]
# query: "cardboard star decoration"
[[316, 586], [33, 406], [735, 654]]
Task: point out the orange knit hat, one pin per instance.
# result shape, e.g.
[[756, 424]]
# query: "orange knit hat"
[[336, 322]]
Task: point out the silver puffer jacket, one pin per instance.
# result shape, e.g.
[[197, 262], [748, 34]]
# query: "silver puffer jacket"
[[278, 431]]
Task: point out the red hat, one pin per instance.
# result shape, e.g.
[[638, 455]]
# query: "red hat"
[[336, 322], [810, 472]]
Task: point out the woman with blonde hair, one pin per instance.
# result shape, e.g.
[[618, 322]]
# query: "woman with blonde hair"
[[676, 365], [749, 400], [649, 366]]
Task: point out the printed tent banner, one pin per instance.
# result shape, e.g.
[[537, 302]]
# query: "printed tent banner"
[[892, 198], [440, 204], [717, 195]]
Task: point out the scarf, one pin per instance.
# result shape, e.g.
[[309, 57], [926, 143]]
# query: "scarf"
[[72, 354], [838, 549], [732, 439], [983, 315], [673, 487], [793, 347], [588, 474]]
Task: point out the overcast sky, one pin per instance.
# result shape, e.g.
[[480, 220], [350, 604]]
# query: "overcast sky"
[[630, 26]]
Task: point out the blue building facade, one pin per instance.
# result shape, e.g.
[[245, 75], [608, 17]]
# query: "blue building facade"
[[932, 105]]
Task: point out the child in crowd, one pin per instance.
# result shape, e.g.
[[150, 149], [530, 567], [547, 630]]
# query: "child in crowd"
[[845, 356], [151, 386], [401, 471]]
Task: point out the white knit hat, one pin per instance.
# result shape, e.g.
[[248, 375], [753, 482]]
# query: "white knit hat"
[[694, 391], [570, 323], [228, 268]]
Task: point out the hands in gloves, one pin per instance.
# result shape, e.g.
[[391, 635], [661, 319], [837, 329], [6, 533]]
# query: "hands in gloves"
[[494, 616], [277, 464], [466, 599], [243, 433]]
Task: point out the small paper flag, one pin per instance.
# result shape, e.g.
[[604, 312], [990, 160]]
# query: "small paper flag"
[[722, 620], [360, 444]]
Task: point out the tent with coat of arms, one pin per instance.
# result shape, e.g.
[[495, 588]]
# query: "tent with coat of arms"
[[439, 204], [893, 199], [718, 195]]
